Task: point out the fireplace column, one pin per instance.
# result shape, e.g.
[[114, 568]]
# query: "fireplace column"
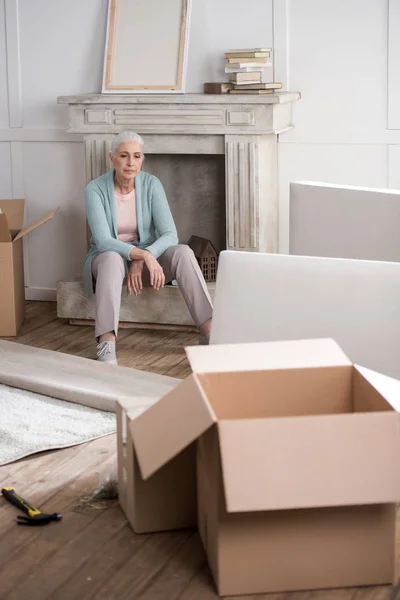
[[251, 193]]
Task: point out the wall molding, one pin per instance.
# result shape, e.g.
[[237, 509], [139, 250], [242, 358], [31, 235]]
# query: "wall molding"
[[393, 57], [383, 137], [18, 191], [39, 135], [13, 64], [280, 36], [379, 138], [41, 294]]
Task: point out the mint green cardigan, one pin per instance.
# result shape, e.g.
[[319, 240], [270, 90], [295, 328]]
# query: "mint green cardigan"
[[156, 227]]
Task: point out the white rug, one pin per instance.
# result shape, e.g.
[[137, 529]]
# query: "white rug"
[[31, 423]]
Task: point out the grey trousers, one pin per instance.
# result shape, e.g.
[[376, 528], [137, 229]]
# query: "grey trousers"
[[178, 262]]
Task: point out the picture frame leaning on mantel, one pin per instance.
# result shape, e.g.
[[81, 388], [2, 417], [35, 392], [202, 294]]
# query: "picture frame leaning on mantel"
[[146, 46]]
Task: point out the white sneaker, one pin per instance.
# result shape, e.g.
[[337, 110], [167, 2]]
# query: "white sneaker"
[[106, 352]]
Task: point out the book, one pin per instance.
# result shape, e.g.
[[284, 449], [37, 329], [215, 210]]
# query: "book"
[[241, 84], [247, 61], [217, 87], [240, 50], [258, 86], [237, 77], [252, 69], [251, 91], [247, 55]]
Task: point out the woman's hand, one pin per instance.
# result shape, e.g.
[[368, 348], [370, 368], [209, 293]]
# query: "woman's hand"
[[157, 277], [134, 281]]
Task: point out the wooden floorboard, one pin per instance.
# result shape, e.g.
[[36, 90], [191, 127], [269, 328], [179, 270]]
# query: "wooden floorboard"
[[92, 554]]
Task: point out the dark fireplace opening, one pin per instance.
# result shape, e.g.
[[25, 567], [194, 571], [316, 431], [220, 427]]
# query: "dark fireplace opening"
[[195, 188]]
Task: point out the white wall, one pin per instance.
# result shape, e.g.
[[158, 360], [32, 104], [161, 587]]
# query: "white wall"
[[338, 60], [335, 52]]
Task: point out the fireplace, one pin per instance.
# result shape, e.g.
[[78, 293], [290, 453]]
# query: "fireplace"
[[216, 156]]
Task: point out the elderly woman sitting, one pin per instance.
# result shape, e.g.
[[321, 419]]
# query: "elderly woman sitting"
[[134, 239]]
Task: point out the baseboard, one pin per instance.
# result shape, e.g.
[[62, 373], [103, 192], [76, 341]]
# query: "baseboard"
[[41, 293]]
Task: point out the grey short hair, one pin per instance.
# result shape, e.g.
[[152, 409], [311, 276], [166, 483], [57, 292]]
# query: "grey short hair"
[[125, 136]]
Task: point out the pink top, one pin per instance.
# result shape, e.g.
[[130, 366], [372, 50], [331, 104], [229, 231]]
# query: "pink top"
[[126, 216]]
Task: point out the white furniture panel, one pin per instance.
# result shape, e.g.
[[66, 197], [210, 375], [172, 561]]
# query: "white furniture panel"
[[347, 164], [344, 221], [267, 297]]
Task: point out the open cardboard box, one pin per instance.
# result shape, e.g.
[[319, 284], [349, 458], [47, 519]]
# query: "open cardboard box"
[[298, 466], [12, 283]]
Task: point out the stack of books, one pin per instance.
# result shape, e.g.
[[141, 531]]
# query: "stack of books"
[[245, 68]]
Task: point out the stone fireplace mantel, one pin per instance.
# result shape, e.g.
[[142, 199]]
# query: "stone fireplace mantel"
[[243, 128]]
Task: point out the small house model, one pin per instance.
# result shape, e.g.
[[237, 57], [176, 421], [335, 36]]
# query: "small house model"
[[206, 255]]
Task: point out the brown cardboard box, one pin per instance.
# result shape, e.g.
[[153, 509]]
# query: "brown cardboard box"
[[298, 464], [165, 501], [12, 285]]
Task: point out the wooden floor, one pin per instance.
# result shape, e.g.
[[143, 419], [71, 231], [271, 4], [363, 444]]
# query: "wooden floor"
[[92, 553]]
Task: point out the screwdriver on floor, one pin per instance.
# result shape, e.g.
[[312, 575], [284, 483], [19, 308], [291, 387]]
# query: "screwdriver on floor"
[[35, 516]]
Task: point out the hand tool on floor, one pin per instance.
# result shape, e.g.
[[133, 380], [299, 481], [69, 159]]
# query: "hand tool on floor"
[[35, 516]]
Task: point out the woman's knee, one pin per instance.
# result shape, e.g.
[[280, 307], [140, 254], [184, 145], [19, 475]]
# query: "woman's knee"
[[183, 251], [111, 262]]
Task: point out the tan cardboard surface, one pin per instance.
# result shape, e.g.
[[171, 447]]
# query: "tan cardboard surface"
[[19, 284], [306, 549], [36, 224], [298, 456], [166, 500], [169, 426], [258, 394], [334, 460], [365, 397], [387, 386], [298, 354], [14, 209], [7, 308], [5, 235]]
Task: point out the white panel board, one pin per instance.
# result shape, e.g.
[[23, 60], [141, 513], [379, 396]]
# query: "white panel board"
[[349, 164], [54, 177], [160, 65], [266, 297]]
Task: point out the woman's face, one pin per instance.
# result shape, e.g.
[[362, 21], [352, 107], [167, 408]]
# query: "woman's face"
[[127, 160]]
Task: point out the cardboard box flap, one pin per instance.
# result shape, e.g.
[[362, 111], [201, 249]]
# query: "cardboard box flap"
[[387, 386], [14, 211], [5, 235], [36, 224], [309, 462], [172, 424], [296, 354]]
